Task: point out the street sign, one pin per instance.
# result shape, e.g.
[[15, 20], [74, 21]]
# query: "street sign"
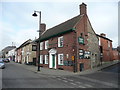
[[73, 58]]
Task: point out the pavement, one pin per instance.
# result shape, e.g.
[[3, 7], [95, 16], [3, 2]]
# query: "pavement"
[[57, 72]]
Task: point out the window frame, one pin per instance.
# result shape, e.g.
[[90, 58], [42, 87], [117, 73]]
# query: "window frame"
[[41, 59], [59, 59], [46, 59], [46, 44], [59, 41], [41, 45]]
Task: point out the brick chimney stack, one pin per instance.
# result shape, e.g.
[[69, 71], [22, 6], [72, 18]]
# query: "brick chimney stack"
[[83, 9], [42, 27]]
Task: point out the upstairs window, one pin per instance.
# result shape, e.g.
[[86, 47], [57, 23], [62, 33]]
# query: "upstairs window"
[[60, 41], [46, 44], [41, 46], [34, 48], [60, 59]]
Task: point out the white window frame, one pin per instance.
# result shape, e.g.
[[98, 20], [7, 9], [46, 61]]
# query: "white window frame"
[[59, 59], [46, 44], [59, 41], [41, 59], [46, 59], [41, 45]]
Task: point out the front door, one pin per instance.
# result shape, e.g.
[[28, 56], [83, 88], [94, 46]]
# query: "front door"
[[81, 66], [53, 60]]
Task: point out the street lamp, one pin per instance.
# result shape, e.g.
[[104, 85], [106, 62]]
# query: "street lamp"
[[38, 49]]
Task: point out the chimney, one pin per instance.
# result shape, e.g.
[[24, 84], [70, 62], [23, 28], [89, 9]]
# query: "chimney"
[[42, 27], [103, 35], [83, 9]]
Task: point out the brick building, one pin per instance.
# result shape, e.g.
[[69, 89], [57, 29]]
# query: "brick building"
[[115, 54], [26, 53], [105, 48], [69, 45]]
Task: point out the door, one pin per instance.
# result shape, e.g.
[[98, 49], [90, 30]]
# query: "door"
[[34, 61], [81, 66], [53, 60]]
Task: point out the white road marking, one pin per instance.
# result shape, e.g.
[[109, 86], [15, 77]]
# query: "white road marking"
[[64, 78], [88, 85], [64, 81], [81, 86], [70, 79], [78, 82], [98, 81], [59, 79], [73, 83]]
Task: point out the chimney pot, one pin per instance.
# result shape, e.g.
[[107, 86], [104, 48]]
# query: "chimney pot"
[[102, 34]]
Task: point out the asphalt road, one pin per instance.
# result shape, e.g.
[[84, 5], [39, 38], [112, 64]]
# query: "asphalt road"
[[15, 76]]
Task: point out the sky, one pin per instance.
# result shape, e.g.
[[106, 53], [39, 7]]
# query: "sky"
[[18, 25]]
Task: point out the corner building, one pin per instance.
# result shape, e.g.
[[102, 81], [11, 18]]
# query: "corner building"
[[71, 45]]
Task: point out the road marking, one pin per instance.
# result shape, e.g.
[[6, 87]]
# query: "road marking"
[[64, 78], [78, 82], [73, 83], [64, 81], [70, 79], [81, 86], [59, 79], [98, 81], [88, 85]]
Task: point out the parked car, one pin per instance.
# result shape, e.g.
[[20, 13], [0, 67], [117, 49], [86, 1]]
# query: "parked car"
[[6, 60], [2, 64]]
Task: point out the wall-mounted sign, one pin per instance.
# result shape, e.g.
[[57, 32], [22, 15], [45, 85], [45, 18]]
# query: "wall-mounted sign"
[[73, 58], [81, 40]]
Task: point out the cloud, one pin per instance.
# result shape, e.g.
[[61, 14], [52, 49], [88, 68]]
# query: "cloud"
[[18, 25]]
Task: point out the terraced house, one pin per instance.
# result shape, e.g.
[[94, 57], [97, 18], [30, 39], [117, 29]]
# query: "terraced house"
[[71, 45], [26, 53]]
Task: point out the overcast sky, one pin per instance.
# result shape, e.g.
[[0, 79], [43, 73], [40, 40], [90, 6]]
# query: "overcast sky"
[[18, 25]]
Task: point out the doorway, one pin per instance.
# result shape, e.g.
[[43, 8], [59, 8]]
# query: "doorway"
[[52, 59], [81, 67]]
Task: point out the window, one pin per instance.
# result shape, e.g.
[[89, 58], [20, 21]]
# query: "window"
[[46, 44], [81, 54], [46, 59], [34, 48], [87, 55], [60, 59], [41, 59], [41, 46], [60, 41]]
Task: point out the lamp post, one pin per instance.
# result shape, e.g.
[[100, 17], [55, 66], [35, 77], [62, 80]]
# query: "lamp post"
[[38, 49]]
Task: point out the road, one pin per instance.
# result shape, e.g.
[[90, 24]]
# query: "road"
[[15, 76]]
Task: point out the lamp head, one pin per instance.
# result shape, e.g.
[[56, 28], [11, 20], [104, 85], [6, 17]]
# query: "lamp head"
[[35, 15]]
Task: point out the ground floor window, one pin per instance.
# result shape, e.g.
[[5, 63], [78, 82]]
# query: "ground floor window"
[[46, 59], [81, 54], [60, 59], [87, 55], [41, 59]]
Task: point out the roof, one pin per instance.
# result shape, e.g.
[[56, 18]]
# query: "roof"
[[62, 28], [25, 43], [104, 37], [8, 48]]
